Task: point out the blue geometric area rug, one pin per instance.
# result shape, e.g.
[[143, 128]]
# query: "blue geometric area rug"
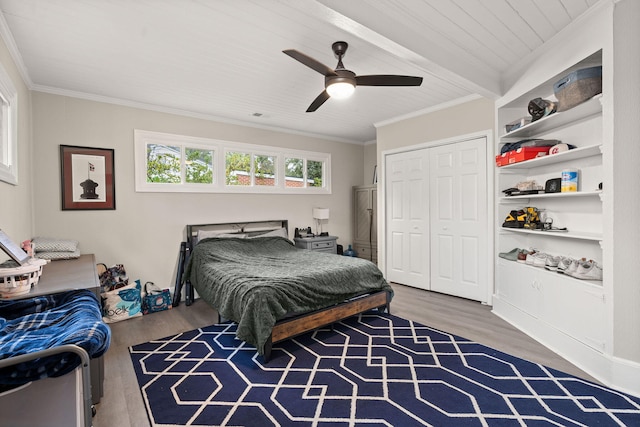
[[371, 370]]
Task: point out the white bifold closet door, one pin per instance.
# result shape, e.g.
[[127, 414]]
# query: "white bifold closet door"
[[407, 213], [436, 213], [458, 213]]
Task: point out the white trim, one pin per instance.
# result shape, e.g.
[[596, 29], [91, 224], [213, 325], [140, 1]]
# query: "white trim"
[[8, 129], [142, 138], [10, 42], [184, 113], [438, 107], [381, 208], [614, 372]]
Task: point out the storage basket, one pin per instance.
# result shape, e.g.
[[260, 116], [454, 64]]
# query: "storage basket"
[[16, 280], [577, 87]]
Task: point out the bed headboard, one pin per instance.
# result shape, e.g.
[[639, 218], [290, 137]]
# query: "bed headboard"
[[250, 228]]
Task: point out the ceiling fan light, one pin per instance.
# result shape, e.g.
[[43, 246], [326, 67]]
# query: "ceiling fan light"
[[340, 90]]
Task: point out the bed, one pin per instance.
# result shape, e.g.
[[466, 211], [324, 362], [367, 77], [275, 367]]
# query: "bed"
[[48, 340], [252, 274]]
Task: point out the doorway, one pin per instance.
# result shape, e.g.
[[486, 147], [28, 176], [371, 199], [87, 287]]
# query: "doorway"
[[436, 218]]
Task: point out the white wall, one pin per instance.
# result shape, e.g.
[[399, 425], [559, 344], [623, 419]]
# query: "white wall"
[[625, 176], [466, 118], [16, 200], [370, 155], [145, 230], [463, 119]]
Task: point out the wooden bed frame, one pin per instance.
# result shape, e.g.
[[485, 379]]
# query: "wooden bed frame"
[[291, 326]]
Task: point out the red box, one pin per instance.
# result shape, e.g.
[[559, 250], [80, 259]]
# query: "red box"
[[503, 159], [520, 155], [527, 153]]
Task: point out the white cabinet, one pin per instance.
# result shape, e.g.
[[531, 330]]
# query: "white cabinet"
[[365, 237], [571, 306], [544, 303]]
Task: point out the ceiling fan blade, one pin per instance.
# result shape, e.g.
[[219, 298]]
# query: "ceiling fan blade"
[[388, 80], [310, 62], [318, 102]]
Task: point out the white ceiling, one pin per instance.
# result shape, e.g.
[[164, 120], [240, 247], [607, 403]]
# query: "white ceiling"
[[222, 59]]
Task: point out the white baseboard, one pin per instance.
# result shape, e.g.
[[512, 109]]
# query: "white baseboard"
[[614, 372]]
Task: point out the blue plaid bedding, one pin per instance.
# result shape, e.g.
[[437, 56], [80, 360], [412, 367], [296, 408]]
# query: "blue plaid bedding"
[[43, 322]]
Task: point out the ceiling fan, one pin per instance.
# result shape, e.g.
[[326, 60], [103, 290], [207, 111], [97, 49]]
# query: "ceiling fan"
[[340, 83]]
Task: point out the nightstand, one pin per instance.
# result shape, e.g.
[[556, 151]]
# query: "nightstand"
[[318, 243]]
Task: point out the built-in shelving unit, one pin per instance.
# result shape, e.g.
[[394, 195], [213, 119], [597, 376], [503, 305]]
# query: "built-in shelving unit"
[[564, 157], [545, 303], [592, 107]]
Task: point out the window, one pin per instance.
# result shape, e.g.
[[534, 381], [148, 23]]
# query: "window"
[[199, 166], [8, 129], [174, 163]]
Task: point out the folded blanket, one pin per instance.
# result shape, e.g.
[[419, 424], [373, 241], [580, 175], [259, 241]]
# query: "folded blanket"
[[48, 244], [39, 323], [57, 255]]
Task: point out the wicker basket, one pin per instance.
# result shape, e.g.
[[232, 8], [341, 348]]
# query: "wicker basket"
[[16, 280]]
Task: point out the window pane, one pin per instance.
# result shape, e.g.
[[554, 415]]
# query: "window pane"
[[264, 168], [199, 166], [163, 163], [293, 172], [314, 173], [237, 168]]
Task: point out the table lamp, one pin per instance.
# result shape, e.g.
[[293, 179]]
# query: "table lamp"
[[320, 214]]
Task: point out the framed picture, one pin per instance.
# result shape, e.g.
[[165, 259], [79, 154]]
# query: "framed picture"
[[87, 178]]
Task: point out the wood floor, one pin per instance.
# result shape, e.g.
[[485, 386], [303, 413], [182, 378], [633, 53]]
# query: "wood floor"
[[122, 403]]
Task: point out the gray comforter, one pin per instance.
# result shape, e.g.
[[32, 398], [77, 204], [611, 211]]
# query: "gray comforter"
[[256, 282]]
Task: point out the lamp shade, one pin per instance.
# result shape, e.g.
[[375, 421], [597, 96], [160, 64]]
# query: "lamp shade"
[[320, 213]]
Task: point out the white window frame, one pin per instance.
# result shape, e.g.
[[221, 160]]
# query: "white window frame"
[[8, 129], [142, 138]]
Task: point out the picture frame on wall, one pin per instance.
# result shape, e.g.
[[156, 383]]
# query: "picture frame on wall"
[[87, 178]]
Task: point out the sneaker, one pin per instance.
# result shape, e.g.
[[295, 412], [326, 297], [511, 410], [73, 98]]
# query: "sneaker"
[[564, 264], [540, 259], [531, 257], [522, 255], [573, 267], [588, 270], [551, 263], [512, 255]]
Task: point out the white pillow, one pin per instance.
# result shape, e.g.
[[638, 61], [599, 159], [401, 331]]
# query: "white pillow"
[[281, 232], [203, 234]]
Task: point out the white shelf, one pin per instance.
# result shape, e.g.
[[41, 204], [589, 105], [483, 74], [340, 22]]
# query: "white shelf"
[[579, 235], [589, 283], [553, 121], [576, 153], [552, 196]]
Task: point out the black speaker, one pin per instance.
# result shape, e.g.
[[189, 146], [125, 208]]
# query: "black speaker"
[[553, 185]]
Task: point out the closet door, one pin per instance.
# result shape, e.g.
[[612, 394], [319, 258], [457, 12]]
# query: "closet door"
[[407, 216], [458, 212]]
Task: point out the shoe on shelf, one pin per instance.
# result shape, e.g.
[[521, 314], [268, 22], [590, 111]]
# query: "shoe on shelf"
[[573, 267], [540, 259], [588, 270], [522, 254], [512, 255], [563, 264], [551, 263], [531, 256]]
